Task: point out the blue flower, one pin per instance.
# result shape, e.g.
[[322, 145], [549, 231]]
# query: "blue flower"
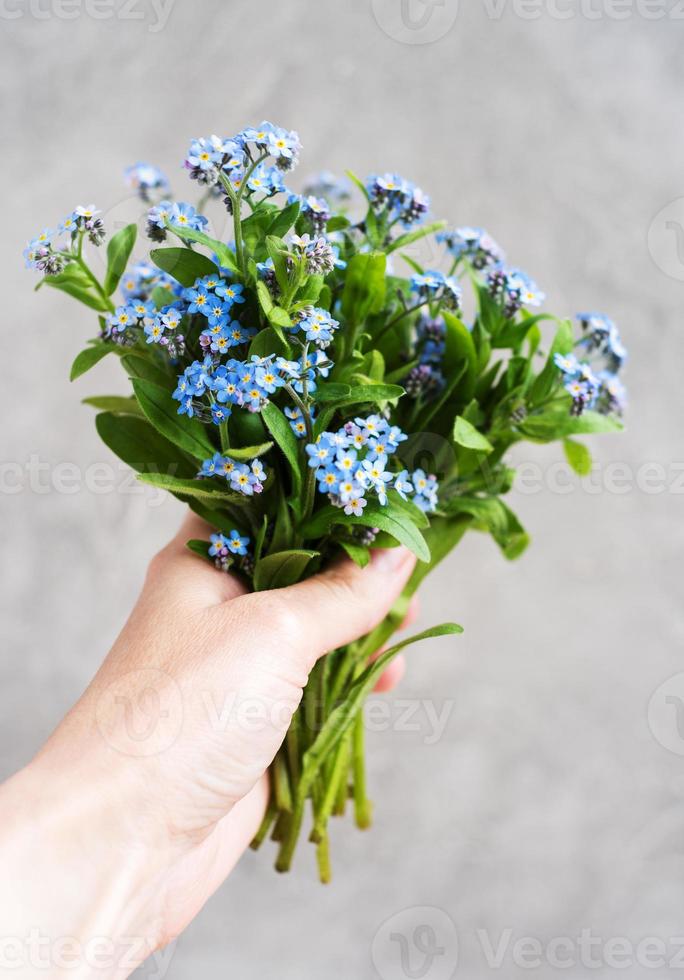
[[145, 178], [160, 214], [267, 377], [244, 481], [474, 244], [426, 489], [198, 299], [434, 286], [266, 180], [123, 316], [220, 413], [217, 313], [237, 545], [233, 544], [567, 364], [230, 292], [513, 288], [154, 330], [403, 201], [171, 317], [403, 485], [316, 324], [183, 215], [328, 479], [297, 423], [355, 503], [602, 335], [375, 475]]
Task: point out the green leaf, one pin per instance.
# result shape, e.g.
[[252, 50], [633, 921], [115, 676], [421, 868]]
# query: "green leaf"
[[248, 452], [200, 548], [578, 456], [359, 183], [460, 351], [141, 366], [358, 553], [281, 569], [413, 236], [277, 250], [278, 317], [283, 221], [342, 717], [337, 223], [91, 356], [389, 518], [184, 264], [203, 490], [310, 291], [264, 297], [331, 392], [364, 286], [373, 394], [118, 404], [494, 516], [160, 408], [556, 422], [549, 376], [269, 341], [279, 427], [223, 253], [73, 286], [415, 514], [516, 539], [467, 435], [118, 253], [140, 446], [162, 296]]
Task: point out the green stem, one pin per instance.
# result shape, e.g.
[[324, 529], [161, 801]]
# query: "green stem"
[[281, 784], [323, 859], [265, 826], [81, 262], [236, 203], [362, 805], [337, 776], [289, 844], [391, 323], [223, 435]]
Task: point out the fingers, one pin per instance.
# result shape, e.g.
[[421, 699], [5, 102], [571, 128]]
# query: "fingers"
[[176, 567], [345, 601]]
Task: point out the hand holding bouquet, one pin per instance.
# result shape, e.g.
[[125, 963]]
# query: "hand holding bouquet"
[[309, 401]]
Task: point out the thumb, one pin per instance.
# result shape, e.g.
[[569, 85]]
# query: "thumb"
[[345, 601]]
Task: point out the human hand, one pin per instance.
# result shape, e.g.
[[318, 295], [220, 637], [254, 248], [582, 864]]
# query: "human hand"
[[165, 754]]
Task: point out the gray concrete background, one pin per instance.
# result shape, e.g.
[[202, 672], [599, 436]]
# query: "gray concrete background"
[[548, 806]]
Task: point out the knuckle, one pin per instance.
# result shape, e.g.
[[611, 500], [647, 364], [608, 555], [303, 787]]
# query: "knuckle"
[[278, 611], [157, 564]]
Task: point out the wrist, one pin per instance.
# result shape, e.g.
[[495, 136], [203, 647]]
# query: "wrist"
[[83, 890]]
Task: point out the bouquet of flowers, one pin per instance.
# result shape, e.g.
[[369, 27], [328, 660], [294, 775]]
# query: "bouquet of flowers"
[[309, 399]]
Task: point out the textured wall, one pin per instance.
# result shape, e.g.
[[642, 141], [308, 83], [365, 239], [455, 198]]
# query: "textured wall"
[[547, 806]]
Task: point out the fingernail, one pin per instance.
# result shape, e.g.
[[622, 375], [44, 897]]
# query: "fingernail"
[[391, 559]]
